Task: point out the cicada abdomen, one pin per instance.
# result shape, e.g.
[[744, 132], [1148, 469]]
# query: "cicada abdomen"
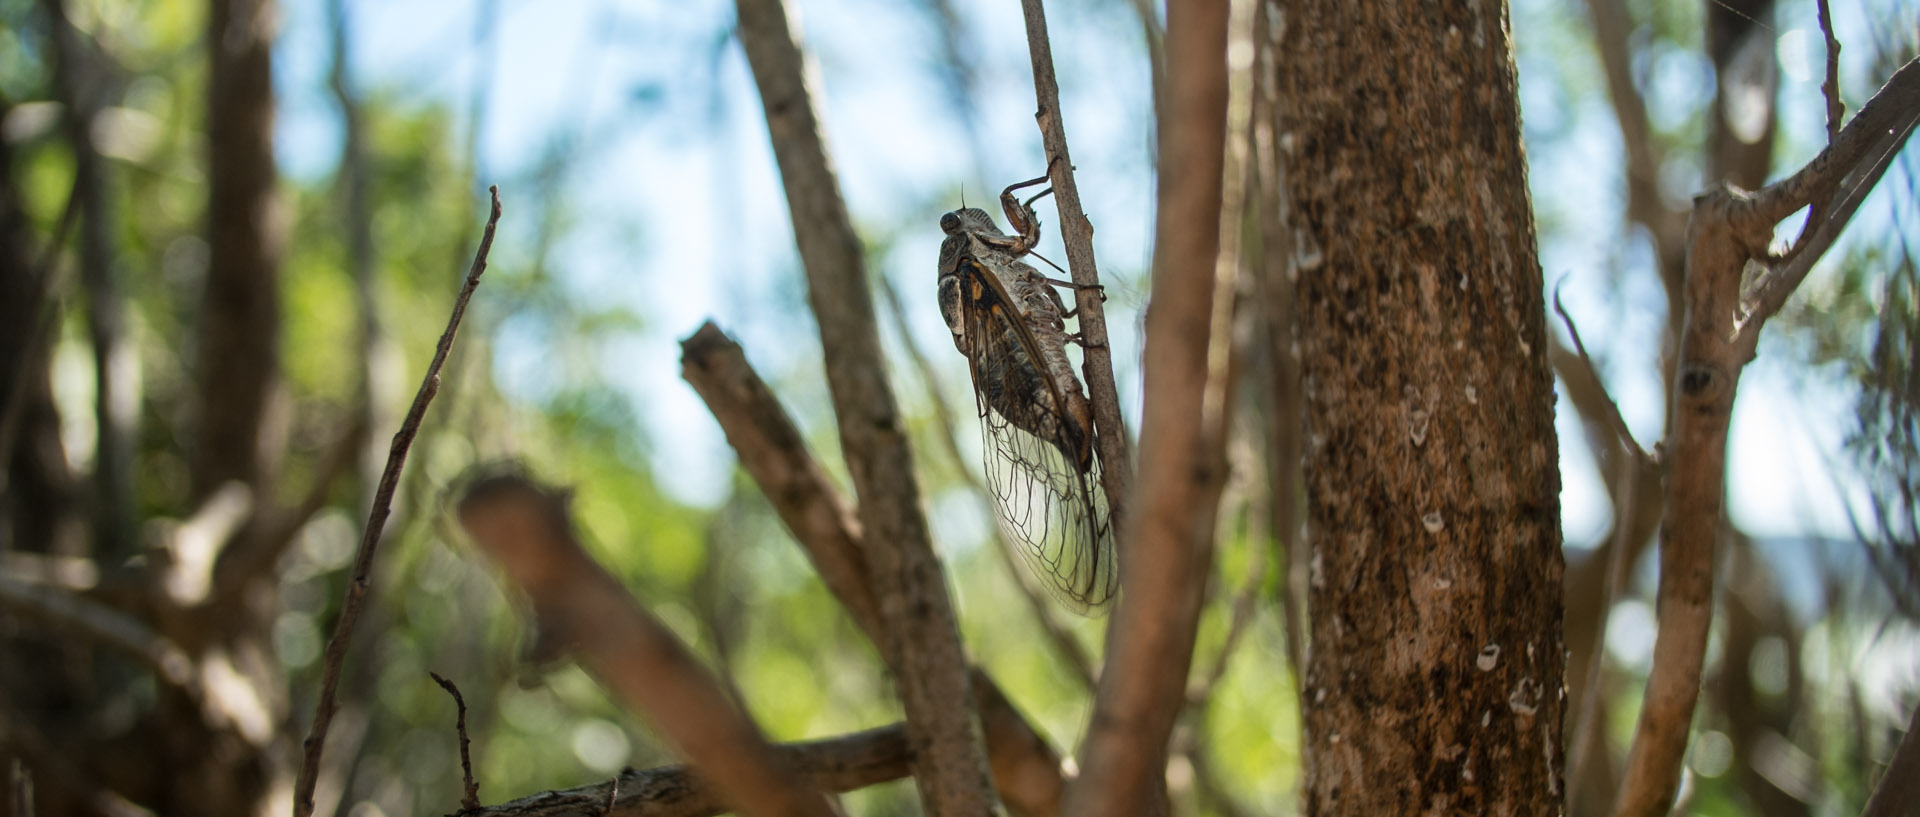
[[1036, 424]]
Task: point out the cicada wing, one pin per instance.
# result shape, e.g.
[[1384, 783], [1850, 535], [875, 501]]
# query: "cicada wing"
[[1039, 463]]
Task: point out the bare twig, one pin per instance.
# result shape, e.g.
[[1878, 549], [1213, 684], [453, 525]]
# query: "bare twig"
[[1169, 541], [470, 795], [362, 580], [922, 632], [1613, 417], [1065, 644], [1026, 771], [13, 412], [843, 763], [1832, 186], [1730, 228], [1831, 87], [1077, 233], [1898, 794], [528, 531]]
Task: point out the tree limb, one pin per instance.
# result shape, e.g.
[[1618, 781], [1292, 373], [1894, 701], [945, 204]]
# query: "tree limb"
[[1077, 233], [839, 764], [1167, 544], [528, 531], [1026, 771], [1728, 229], [88, 619], [922, 634]]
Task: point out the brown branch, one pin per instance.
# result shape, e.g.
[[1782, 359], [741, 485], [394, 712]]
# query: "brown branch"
[[839, 764], [1832, 186], [1831, 87], [470, 793], [85, 618], [528, 531], [1077, 233], [362, 580], [1612, 414], [1026, 771], [1898, 793], [922, 633], [1182, 464], [1728, 229], [1611, 30]]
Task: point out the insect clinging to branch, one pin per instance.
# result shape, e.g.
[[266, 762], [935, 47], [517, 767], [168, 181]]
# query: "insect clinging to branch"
[[1036, 423]]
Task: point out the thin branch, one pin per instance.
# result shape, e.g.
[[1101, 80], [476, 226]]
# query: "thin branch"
[[1640, 457], [1587, 737], [1832, 186], [1831, 87], [922, 631], [1077, 233], [838, 764], [1898, 794], [362, 580], [470, 792], [1168, 543], [13, 412], [1026, 771], [1066, 646], [83, 617], [528, 531]]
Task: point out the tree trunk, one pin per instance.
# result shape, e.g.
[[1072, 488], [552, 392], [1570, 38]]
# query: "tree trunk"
[[240, 314], [1435, 678]]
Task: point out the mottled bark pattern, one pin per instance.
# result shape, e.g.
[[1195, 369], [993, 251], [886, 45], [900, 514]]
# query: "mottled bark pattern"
[[1434, 684]]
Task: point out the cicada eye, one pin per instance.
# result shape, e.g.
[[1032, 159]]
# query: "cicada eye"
[[950, 223]]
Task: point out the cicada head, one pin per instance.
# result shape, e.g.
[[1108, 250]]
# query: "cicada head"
[[968, 220]]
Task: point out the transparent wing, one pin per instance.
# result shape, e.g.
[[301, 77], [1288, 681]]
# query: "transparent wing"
[[1039, 450]]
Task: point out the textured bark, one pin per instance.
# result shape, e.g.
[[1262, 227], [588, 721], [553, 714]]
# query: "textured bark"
[[239, 345], [1435, 680]]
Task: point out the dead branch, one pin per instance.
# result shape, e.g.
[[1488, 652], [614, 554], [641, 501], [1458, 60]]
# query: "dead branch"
[[1728, 229], [470, 792], [1612, 416], [80, 616], [528, 532], [922, 633], [376, 523], [1026, 771], [1831, 86], [839, 764], [1169, 541], [1077, 233]]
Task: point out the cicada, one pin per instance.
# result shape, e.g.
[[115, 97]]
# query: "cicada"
[[1036, 424]]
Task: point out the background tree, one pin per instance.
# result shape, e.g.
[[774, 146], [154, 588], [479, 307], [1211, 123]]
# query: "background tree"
[[640, 199]]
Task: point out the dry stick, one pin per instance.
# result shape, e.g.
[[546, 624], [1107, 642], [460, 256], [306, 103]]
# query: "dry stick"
[[1065, 644], [79, 615], [839, 764], [1614, 418], [528, 531], [922, 631], [1026, 771], [1077, 233], [1898, 794], [1729, 228], [362, 580], [1181, 460], [470, 795], [1831, 87]]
